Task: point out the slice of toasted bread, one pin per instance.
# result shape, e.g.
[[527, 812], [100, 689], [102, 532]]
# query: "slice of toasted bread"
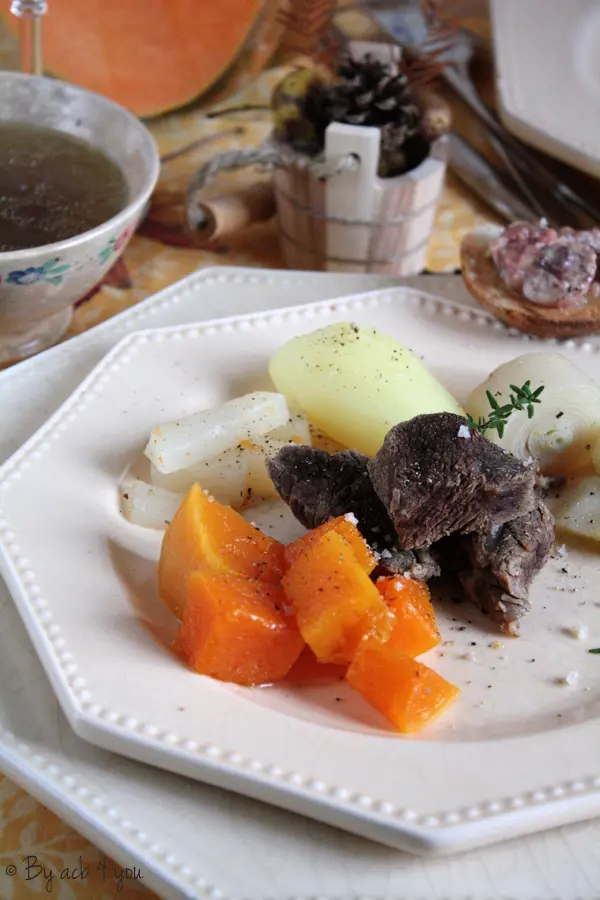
[[484, 283]]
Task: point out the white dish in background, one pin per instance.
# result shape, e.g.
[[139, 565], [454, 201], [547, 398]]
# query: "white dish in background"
[[277, 854], [522, 761], [548, 76]]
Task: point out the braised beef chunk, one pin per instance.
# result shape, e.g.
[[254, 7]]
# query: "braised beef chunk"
[[445, 486], [319, 486], [497, 569], [436, 476], [419, 564]]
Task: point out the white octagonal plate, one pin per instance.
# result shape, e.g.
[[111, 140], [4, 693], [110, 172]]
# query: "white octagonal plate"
[[517, 753]]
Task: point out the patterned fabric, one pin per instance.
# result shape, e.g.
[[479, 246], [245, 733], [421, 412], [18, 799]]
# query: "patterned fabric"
[[27, 829]]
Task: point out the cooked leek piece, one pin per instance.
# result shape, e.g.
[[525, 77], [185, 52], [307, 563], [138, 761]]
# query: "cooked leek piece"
[[149, 506], [223, 475], [296, 430], [192, 439]]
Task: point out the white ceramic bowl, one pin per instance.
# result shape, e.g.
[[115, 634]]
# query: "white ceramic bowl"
[[39, 286]]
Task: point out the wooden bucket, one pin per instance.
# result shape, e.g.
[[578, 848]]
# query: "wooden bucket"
[[355, 221]]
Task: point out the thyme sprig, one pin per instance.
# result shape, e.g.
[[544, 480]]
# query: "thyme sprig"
[[521, 398]]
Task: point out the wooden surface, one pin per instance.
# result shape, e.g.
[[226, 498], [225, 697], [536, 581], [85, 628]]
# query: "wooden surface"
[[26, 827]]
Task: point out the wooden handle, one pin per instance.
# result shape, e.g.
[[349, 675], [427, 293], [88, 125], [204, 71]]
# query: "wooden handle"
[[232, 212]]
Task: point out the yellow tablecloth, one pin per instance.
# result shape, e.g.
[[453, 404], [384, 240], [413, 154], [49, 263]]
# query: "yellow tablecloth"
[[26, 827]]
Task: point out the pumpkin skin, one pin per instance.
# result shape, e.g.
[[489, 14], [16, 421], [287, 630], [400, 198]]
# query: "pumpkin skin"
[[205, 534], [150, 56]]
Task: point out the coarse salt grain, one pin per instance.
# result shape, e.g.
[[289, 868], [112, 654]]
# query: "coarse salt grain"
[[398, 586], [463, 432], [579, 632], [385, 554], [407, 575], [571, 679], [350, 517]]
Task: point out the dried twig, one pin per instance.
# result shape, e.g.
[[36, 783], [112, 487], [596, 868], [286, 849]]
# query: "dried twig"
[[200, 142], [309, 29]]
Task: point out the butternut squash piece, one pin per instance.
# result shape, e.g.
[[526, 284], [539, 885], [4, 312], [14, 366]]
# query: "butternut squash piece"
[[414, 629], [408, 693], [347, 529], [149, 55], [237, 630], [207, 534], [335, 601]]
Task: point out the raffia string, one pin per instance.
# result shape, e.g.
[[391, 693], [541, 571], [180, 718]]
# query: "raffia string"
[[267, 155]]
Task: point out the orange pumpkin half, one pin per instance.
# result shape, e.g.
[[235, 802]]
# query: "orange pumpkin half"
[[148, 55]]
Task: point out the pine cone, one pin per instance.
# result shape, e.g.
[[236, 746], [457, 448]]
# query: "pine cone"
[[369, 93], [372, 93]]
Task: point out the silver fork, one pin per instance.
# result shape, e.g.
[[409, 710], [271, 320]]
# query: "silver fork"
[[405, 22]]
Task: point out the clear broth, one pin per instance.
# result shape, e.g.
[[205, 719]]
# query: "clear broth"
[[53, 186]]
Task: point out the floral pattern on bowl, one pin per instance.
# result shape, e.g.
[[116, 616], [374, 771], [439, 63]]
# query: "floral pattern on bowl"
[[115, 245], [50, 271]]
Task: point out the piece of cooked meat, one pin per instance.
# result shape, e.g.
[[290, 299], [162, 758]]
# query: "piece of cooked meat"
[[318, 486], [497, 569], [436, 476], [419, 564]]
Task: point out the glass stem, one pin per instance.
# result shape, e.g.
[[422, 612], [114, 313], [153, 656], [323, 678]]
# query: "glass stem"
[[30, 13]]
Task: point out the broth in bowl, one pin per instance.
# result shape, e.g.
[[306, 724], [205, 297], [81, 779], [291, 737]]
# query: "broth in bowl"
[[53, 186]]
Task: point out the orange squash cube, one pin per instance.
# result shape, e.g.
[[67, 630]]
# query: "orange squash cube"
[[336, 602], [207, 534], [237, 630], [343, 526], [408, 693], [414, 629]]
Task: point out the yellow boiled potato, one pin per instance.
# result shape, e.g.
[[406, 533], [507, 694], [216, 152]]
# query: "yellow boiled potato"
[[355, 383]]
